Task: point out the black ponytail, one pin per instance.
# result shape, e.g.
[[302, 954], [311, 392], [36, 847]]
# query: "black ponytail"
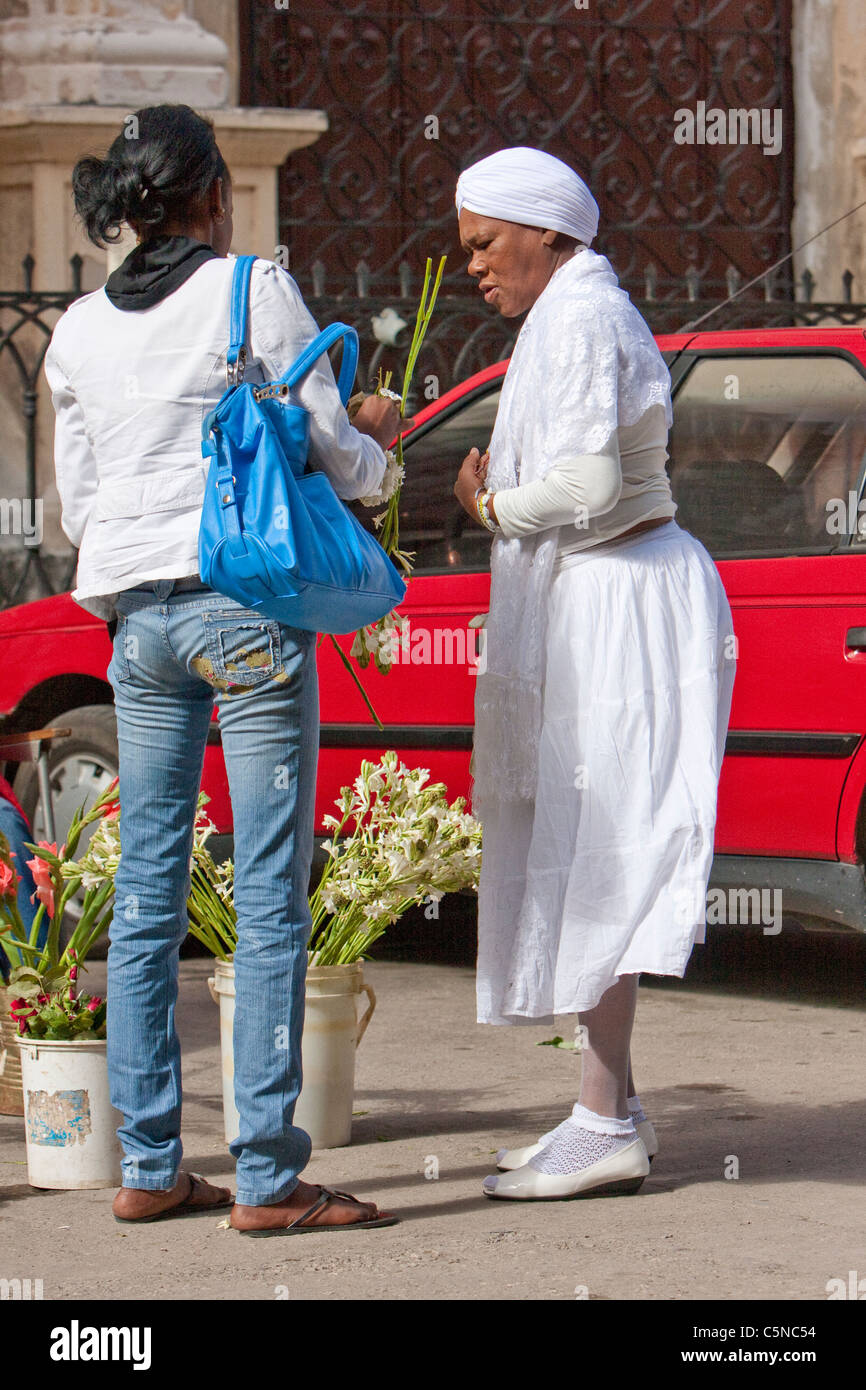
[[160, 167]]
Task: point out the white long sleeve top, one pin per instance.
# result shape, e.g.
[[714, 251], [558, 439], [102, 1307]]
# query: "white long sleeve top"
[[595, 497], [131, 389]]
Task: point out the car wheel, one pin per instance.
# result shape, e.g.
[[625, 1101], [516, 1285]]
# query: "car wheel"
[[80, 768]]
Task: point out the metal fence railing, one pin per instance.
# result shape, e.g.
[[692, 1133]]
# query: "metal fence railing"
[[464, 337]]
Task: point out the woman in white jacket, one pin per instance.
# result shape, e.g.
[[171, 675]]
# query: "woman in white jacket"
[[133, 370]]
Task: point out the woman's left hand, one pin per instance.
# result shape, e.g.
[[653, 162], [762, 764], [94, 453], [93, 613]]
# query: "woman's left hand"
[[472, 475]]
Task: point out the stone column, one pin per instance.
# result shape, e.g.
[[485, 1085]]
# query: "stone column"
[[828, 58]]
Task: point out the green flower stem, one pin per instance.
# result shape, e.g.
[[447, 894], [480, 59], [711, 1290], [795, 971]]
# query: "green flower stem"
[[329, 867], [389, 535], [101, 926], [207, 901], [211, 920], [13, 948], [219, 942], [32, 954], [92, 922], [35, 925], [13, 932], [391, 525], [353, 673], [73, 834], [422, 323], [205, 934]]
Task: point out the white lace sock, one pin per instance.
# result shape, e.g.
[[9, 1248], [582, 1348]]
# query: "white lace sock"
[[635, 1109], [581, 1140]]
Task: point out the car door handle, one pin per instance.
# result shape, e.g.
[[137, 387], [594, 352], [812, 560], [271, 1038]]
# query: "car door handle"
[[855, 638]]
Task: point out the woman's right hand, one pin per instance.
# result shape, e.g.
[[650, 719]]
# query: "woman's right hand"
[[379, 417]]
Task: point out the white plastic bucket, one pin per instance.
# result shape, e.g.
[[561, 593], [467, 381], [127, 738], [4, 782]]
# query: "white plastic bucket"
[[332, 1032], [222, 991], [69, 1121]]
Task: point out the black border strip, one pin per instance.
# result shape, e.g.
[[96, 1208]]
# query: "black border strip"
[[458, 738], [785, 744]]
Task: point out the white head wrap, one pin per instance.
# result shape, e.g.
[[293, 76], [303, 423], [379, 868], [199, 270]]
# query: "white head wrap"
[[530, 187]]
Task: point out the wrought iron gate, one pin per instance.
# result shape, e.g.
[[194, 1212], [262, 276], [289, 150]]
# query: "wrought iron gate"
[[417, 89]]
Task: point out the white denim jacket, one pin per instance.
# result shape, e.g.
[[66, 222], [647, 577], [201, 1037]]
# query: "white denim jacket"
[[131, 390]]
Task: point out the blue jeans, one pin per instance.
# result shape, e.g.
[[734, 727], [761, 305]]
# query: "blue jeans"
[[174, 654]]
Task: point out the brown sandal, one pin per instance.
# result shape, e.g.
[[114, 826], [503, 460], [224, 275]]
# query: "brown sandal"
[[326, 1195], [191, 1205]]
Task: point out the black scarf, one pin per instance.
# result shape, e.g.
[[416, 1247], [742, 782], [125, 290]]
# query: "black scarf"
[[153, 270]]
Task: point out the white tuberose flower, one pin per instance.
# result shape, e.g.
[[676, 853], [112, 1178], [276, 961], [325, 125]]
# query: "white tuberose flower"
[[391, 480]]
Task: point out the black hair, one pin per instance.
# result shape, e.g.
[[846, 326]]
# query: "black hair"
[[159, 167]]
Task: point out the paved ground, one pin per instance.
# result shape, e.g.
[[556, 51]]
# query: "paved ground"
[[759, 1055]]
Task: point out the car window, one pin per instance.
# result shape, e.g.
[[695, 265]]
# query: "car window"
[[432, 522], [764, 452]]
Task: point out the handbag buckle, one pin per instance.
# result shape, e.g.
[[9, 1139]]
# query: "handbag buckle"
[[270, 392], [235, 370]]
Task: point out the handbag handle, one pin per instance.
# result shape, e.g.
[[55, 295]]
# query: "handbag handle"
[[326, 339], [236, 356]]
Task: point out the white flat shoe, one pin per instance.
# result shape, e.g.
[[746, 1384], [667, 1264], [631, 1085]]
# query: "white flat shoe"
[[509, 1159], [620, 1173]]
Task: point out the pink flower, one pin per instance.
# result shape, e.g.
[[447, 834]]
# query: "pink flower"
[[110, 809], [93, 1004], [9, 880], [73, 973], [43, 878], [43, 999]]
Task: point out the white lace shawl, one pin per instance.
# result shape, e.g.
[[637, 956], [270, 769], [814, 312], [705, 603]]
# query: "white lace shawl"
[[584, 363]]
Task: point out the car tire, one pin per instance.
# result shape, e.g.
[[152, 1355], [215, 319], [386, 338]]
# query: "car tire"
[[91, 749]]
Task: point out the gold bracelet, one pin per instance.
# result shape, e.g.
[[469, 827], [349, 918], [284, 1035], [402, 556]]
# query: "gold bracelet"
[[481, 505]]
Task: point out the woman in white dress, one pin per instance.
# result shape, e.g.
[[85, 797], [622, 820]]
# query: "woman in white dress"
[[604, 694]]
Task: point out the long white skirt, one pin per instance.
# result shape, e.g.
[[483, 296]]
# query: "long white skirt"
[[605, 873]]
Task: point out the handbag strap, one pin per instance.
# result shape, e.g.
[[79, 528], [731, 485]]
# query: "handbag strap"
[[326, 339], [236, 358], [235, 364]]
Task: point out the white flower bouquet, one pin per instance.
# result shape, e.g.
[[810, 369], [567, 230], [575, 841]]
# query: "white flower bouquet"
[[398, 842]]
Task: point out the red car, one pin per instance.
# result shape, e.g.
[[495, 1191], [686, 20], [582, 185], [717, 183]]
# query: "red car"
[[767, 458]]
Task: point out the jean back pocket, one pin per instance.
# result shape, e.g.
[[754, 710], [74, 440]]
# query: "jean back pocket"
[[243, 649]]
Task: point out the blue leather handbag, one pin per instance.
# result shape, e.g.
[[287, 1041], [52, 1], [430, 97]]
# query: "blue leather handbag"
[[274, 534]]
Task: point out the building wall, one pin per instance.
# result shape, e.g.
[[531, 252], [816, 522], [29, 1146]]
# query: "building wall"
[[829, 59]]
